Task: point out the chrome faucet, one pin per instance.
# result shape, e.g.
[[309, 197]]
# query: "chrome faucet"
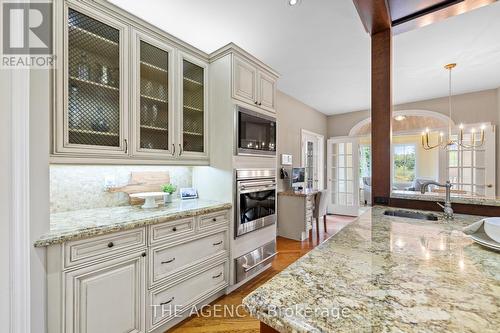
[[448, 211]]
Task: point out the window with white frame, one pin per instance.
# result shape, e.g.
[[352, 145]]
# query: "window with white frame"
[[405, 161]]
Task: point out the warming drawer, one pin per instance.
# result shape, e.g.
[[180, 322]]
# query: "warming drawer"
[[252, 262]]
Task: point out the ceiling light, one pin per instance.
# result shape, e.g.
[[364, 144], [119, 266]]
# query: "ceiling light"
[[293, 2], [450, 141], [400, 118]]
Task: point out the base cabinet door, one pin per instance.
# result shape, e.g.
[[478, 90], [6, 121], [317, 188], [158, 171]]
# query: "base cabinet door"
[[107, 297]]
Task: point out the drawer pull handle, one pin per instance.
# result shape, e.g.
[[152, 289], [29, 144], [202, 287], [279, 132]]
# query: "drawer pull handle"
[[111, 244], [168, 261], [218, 243], [169, 301], [174, 229], [217, 276]]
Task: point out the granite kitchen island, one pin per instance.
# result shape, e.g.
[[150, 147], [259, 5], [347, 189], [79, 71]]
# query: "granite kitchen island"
[[386, 274]]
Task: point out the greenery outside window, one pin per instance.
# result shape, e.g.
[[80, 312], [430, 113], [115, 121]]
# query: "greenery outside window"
[[405, 160], [365, 159]]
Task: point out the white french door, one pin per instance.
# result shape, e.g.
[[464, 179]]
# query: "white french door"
[[313, 159], [343, 176], [471, 170]]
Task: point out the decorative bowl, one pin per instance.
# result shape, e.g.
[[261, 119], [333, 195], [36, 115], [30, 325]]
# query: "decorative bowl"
[[492, 228]]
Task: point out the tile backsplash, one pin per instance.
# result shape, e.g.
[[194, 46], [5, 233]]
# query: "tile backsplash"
[[75, 187]]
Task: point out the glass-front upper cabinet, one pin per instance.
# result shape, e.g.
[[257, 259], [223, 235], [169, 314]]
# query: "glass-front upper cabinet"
[[153, 116], [194, 105], [94, 114]]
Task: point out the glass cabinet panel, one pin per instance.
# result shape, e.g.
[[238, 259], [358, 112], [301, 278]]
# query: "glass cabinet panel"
[[193, 107], [93, 112], [153, 97]]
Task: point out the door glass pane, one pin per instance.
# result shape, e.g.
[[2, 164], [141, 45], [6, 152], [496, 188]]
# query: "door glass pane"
[[93, 83], [193, 107], [153, 100]]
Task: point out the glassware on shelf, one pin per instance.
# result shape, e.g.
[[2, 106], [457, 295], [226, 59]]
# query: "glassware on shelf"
[[113, 77], [148, 87], [145, 114], [83, 68], [99, 123], [104, 77], [74, 116], [154, 115]]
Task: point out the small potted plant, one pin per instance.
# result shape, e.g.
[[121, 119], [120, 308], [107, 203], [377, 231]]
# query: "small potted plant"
[[169, 189]]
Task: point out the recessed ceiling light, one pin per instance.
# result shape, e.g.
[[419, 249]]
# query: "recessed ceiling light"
[[400, 118], [293, 2]]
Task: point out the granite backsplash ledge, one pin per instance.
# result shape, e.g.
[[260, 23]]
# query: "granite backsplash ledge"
[[77, 187]]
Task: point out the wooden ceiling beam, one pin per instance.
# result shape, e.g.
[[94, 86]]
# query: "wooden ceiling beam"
[[374, 14], [433, 15]]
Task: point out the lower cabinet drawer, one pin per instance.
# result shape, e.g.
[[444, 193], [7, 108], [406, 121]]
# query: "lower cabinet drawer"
[[213, 219], [84, 250], [173, 300], [169, 259], [171, 230]]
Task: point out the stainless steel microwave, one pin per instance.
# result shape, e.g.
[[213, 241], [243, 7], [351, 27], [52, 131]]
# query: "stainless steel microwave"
[[256, 133]]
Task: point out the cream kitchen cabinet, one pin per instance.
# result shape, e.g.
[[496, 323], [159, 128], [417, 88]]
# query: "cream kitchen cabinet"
[[127, 92], [253, 85], [91, 100], [112, 283], [107, 297]]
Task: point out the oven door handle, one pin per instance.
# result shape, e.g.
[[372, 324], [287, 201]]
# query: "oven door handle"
[[245, 186], [244, 190], [248, 268]]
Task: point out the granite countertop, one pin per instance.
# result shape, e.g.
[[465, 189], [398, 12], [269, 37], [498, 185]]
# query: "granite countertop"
[[303, 193], [386, 274], [79, 224], [435, 196]]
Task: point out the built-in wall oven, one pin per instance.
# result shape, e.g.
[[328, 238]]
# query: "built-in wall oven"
[[256, 133], [255, 199]]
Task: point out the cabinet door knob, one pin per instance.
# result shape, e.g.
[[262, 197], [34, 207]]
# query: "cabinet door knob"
[[256, 103], [143, 254], [214, 219], [174, 229], [110, 244]]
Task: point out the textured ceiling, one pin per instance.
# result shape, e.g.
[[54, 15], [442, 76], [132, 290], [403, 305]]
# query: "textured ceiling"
[[323, 53]]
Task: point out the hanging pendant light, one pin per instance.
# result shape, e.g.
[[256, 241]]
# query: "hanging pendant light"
[[447, 143]]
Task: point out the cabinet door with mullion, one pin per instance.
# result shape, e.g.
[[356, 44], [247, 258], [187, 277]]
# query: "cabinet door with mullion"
[[94, 118], [193, 102], [152, 87]]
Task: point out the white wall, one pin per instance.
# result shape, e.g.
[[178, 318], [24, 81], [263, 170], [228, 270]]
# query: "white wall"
[[40, 107], [292, 117], [5, 176]]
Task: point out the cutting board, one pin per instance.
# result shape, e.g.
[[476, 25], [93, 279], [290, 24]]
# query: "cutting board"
[[143, 181]]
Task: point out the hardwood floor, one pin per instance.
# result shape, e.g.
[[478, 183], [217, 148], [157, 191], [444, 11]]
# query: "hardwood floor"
[[289, 251]]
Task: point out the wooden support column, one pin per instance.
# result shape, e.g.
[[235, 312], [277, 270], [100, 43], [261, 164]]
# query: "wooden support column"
[[381, 113], [376, 19]]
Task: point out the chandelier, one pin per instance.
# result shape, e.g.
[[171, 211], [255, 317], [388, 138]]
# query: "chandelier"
[[449, 142]]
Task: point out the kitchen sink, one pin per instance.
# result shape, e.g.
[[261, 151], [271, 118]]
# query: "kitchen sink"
[[411, 215]]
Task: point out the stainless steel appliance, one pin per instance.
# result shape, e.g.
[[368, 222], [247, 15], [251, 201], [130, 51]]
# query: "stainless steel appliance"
[[255, 199], [256, 133], [254, 261]]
